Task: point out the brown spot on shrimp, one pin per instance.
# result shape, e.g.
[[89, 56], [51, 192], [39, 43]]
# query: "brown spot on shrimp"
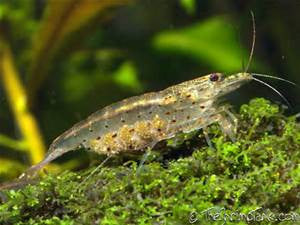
[[107, 145], [169, 100]]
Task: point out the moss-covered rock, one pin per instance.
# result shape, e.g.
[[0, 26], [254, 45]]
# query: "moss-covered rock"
[[260, 172]]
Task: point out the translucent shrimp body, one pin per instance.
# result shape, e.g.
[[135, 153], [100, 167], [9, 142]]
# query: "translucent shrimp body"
[[139, 122]]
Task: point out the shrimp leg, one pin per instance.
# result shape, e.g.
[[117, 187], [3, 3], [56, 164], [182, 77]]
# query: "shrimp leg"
[[143, 160], [228, 122], [227, 125]]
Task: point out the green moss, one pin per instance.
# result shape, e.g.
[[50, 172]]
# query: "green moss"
[[261, 169]]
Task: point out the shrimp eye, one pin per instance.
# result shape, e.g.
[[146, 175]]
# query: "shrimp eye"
[[214, 77]]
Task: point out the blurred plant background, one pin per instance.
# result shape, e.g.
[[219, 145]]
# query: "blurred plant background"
[[61, 60]]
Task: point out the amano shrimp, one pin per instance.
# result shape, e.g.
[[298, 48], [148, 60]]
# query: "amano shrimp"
[[140, 122]]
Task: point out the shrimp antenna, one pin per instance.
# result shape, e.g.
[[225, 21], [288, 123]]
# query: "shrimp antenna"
[[253, 41], [275, 78], [274, 89]]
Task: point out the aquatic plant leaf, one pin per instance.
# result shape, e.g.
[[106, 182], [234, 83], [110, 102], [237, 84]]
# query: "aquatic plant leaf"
[[12, 143], [213, 41], [60, 20], [10, 168], [189, 6], [126, 76], [17, 98]]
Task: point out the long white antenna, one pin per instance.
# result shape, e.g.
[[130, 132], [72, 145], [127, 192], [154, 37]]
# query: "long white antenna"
[[272, 77], [253, 42], [269, 86]]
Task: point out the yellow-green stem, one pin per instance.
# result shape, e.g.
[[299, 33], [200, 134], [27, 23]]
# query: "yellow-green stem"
[[17, 98]]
